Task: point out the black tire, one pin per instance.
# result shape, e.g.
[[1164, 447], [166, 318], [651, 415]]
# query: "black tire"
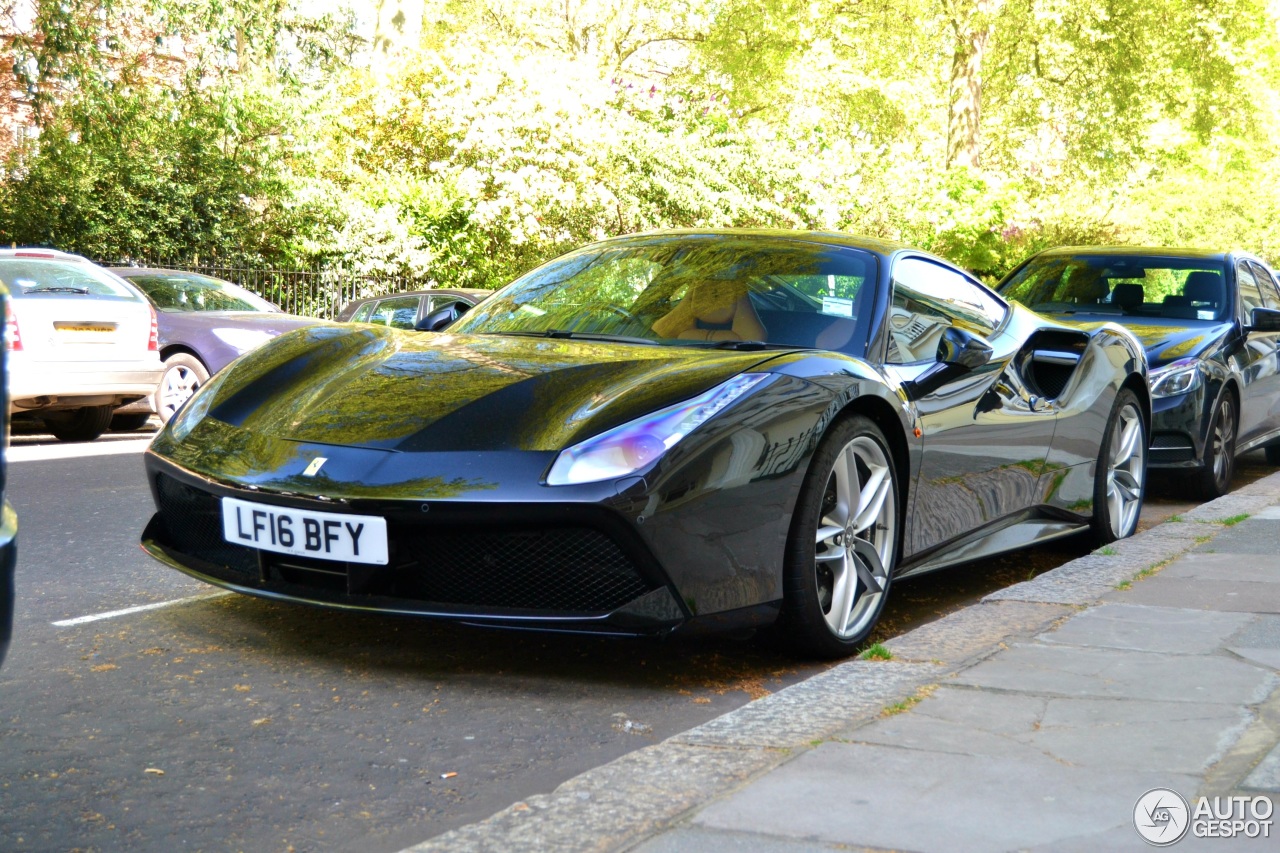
[[183, 374], [129, 422], [1213, 478], [1120, 478], [84, 424], [1273, 454], [850, 567]]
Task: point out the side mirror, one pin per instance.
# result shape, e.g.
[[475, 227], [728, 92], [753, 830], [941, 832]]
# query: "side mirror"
[[1264, 320], [441, 318], [959, 352]]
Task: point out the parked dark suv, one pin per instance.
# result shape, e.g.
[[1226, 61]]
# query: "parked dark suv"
[[1210, 322]]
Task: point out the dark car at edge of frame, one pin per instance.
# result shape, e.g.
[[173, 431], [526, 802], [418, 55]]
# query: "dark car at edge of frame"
[[685, 429], [8, 518], [1210, 322]]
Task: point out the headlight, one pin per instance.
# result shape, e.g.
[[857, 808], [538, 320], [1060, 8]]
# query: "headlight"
[[628, 448], [1178, 377], [243, 340]]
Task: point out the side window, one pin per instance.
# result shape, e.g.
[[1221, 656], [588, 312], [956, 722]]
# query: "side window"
[[1250, 294], [399, 313], [1267, 284], [362, 313], [927, 300]]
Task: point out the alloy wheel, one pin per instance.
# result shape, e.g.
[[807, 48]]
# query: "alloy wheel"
[[855, 537], [179, 383], [1125, 471], [1224, 436]]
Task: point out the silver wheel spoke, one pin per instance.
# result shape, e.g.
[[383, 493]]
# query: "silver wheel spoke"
[[871, 500], [1124, 477], [856, 538]]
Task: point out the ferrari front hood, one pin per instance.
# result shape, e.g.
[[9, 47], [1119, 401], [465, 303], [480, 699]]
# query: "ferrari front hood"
[[378, 388]]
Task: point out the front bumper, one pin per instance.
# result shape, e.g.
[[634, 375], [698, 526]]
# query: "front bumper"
[[1179, 425], [574, 567]]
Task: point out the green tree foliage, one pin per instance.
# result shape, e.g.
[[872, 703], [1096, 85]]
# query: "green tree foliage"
[[462, 142]]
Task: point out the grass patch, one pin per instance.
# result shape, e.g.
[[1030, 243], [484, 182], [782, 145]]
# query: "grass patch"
[[1200, 540], [908, 703], [875, 651], [1235, 519], [1107, 551], [1175, 518], [1143, 575]]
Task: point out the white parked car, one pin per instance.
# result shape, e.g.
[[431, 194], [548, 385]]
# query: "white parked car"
[[81, 342]]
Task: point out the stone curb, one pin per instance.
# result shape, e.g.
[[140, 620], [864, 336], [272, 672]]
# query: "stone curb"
[[620, 803]]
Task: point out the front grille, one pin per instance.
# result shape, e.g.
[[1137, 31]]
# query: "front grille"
[[1170, 447], [556, 568], [1169, 441], [570, 568], [193, 522]]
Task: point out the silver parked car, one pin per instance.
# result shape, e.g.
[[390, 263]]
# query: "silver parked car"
[[81, 342]]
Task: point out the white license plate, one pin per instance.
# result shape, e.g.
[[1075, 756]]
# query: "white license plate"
[[303, 533]]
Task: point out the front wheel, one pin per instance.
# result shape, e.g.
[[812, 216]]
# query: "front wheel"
[[1214, 476], [843, 542], [183, 374], [1120, 482]]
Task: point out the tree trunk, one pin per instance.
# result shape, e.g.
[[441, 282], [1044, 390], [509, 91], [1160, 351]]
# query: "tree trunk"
[[973, 22]]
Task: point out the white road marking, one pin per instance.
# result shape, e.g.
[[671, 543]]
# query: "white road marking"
[[80, 620], [40, 452]]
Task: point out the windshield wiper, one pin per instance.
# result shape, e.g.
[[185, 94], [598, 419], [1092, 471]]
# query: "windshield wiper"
[[80, 290], [742, 346], [581, 336]]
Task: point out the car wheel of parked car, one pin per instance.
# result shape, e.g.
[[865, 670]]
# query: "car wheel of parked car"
[[1121, 477], [183, 374], [84, 424], [1273, 454], [843, 542], [1219, 451]]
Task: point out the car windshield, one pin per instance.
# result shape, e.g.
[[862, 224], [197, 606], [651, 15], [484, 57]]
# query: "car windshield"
[[30, 277], [1132, 285], [191, 292], [692, 290]]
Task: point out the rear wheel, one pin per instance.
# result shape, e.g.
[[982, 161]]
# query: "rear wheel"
[[1214, 478], [1120, 482], [183, 374], [1273, 454], [84, 424], [843, 542]]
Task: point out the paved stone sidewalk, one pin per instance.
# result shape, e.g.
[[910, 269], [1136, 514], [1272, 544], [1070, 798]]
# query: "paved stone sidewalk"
[[1031, 721]]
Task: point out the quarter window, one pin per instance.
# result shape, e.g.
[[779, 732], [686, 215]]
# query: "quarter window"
[[928, 299], [399, 313]]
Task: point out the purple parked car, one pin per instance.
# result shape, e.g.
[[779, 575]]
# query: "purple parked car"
[[205, 324]]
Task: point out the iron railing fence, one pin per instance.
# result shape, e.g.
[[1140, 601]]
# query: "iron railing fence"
[[317, 292]]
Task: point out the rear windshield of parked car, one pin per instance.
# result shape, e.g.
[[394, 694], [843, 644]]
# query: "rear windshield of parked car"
[[198, 293], [26, 278], [1132, 285]]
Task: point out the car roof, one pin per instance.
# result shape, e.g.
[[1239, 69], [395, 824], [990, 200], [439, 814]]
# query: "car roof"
[[836, 238], [36, 253], [1155, 251]]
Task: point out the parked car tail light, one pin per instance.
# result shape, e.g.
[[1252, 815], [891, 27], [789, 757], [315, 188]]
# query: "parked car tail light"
[[12, 338], [153, 342]]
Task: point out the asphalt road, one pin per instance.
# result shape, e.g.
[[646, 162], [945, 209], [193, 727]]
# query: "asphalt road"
[[221, 722]]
